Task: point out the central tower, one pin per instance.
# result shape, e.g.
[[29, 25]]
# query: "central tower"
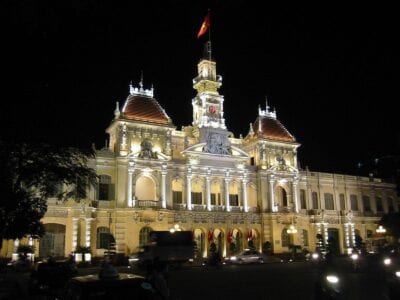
[[208, 107]]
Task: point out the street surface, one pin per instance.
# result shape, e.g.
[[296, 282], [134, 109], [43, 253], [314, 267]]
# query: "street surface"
[[281, 281]]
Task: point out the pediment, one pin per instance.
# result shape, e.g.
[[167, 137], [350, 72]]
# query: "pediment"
[[198, 150]]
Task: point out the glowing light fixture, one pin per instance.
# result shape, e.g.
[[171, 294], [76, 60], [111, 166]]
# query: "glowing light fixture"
[[380, 229], [291, 229], [175, 228]]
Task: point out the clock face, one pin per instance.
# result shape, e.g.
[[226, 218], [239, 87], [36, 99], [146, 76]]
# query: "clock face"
[[211, 109]]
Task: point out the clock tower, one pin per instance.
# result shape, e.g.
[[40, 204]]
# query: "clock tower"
[[208, 107]]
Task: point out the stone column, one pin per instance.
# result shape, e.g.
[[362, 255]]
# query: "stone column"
[[347, 235], [88, 231], [226, 181], [74, 233], [189, 189], [272, 195], [244, 191], [208, 193], [130, 175], [163, 188], [295, 196]]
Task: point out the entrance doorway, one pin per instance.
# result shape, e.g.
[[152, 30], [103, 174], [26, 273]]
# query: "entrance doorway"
[[333, 241], [53, 241]]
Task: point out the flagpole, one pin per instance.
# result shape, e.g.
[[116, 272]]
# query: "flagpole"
[[209, 34]]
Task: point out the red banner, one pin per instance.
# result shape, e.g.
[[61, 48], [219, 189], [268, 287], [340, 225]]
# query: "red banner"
[[204, 26]]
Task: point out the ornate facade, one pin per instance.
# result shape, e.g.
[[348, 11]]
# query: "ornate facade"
[[201, 178]]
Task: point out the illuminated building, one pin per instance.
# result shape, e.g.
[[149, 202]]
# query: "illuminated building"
[[225, 189]]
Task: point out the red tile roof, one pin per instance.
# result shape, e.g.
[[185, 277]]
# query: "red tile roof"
[[272, 129], [144, 109]]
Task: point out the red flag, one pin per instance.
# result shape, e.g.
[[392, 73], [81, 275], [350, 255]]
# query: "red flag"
[[204, 26], [210, 235], [229, 236], [250, 235]]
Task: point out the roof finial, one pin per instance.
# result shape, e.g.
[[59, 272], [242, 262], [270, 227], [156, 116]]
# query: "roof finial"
[[131, 90], [117, 111], [251, 131], [266, 104], [141, 81]]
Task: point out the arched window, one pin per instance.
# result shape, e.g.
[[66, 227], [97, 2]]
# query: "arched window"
[[197, 191], [282, 196], [145, 188], [105, 188], [329, 201], [379, 205], [177, 191], [144, 235], [285, 238], [314, 196], [366, 203], [353, 202], [233, 194], [216, 193], [104, 238], [303, 202], [342, 202]]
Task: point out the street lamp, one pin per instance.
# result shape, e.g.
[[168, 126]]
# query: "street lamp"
[[291, 230], [380, 229], [175, 228]]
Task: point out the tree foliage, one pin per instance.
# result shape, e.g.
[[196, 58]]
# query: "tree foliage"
[[28, 176]]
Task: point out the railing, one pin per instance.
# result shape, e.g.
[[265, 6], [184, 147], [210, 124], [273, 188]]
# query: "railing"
[[195, 207], [313, 212], [236, 208], [217, 208], [179, 206], [285, 209], [254, 209], [147, 203], [199, 207]]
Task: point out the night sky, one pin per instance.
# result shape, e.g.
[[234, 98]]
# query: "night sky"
[[329, 71]]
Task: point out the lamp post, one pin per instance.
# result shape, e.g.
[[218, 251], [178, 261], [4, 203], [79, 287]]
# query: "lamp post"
[[291, 231]]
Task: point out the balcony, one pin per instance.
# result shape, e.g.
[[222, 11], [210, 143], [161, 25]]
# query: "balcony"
[[147, 204], [314, 212], [199, 207], [254, 209]]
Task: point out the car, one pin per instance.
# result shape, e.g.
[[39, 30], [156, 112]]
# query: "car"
[[246, 257], [109, 284]]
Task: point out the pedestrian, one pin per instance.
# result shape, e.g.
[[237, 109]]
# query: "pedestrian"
[[157, 278]]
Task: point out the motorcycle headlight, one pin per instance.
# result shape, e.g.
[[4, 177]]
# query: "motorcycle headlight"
[[233, 258], [354, 256], [315, 255], [387, 261], [332, 279], [397, 274]]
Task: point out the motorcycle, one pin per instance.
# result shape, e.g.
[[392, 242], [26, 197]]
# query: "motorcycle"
[[328, 287], [355, 262]]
